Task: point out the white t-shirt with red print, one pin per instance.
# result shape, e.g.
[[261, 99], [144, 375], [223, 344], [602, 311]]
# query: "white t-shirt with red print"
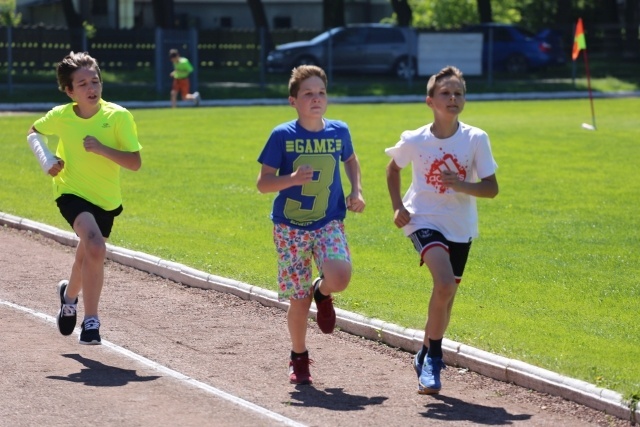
[[430, 204]]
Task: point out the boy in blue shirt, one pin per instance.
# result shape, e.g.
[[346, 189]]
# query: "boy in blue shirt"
[[300, 162]]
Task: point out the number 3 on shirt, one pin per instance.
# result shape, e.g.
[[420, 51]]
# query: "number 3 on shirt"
[[315, 193]]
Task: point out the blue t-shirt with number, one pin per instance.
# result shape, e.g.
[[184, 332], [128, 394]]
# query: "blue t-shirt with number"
[[316, 203]]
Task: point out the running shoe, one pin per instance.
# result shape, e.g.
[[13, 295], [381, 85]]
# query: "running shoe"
[[90, 333], [326, 315], [67, 316], [429, 382], [299, 370]]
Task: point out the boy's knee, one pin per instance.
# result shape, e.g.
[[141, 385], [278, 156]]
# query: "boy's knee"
[[338, 278], [445, 291], [96, 247]]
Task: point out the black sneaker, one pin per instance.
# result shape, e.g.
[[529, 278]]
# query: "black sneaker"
[[90, 333], [66, 319]]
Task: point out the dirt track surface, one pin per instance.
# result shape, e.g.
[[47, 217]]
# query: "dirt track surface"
[[229, 344]]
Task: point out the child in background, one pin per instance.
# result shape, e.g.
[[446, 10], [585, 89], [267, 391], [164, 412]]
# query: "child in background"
[[452, 164], [300, 162], [96, 139], [182, 69]]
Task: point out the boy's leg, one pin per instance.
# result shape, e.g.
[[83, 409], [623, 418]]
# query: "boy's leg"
[[195, 97], [174, 98], [336, 275], [443, 293], [333, 260], [297, 318], [444, 290], [91, 253]]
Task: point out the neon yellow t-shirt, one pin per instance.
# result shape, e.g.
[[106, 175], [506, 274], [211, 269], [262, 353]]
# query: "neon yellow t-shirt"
[[182, 68], [88, 175]]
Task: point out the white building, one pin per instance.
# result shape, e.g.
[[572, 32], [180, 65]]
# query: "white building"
[[200, 14]]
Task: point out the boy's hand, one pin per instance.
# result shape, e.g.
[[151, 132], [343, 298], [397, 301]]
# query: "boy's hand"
[[450, 179], [355, 202], [91, 144], [57, 167], [401, 217], [302, 175]]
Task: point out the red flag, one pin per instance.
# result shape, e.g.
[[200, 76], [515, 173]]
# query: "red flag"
[[579, 42]]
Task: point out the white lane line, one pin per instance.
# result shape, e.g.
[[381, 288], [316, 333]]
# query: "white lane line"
[[171, 373]]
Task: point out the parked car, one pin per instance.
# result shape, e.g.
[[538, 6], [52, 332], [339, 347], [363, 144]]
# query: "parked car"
[[514, 49], [559, 51], [360, 48]]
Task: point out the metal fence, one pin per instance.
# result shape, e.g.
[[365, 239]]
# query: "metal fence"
[[40, 48]]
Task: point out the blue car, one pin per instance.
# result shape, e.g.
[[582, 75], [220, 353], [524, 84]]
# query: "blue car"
[[514, 49]]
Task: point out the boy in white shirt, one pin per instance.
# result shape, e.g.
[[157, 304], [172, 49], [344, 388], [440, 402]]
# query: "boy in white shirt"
[[452, 164]]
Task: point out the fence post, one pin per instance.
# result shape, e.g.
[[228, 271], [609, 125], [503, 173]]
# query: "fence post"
[[193, 42], [158, 60], [263, 56], [10, 59], [490, 59]]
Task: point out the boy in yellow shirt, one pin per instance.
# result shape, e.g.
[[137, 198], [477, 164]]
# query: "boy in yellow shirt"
[[96, 139]]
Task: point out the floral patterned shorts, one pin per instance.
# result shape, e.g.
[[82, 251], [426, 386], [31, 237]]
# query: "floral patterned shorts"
[[295, 249]]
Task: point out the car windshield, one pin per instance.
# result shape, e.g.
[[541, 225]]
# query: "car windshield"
[[324, 36]]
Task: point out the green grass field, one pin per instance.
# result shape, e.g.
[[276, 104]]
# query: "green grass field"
[[553, 280]]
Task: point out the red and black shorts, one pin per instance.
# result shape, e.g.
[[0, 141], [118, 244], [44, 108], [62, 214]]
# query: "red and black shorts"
[[425, 239]]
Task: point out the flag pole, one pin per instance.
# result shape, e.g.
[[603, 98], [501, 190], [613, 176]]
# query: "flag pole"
[[579, 44], [586, 65]]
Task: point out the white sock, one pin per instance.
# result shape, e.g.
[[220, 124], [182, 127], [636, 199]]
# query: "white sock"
[[67, 300]]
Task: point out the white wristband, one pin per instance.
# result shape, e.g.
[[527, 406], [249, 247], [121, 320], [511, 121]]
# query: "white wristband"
[[38, 144]]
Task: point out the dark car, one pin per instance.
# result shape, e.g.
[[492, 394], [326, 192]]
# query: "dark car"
[[514, 48], [363, 48]]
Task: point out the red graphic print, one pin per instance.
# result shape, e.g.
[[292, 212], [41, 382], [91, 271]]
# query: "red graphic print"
[[448, 162]]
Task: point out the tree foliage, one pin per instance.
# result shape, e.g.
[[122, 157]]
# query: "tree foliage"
[[8, 15], [450, 14]]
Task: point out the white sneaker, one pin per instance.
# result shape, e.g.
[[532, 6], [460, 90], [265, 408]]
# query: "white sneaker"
[[197, 98]]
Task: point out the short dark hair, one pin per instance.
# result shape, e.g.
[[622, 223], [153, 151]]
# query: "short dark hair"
[[72, 63], [173, 53], [303, 72], [448, 71]]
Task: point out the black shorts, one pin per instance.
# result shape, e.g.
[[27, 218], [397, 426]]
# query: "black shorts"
[[425, 238], [71, 206]]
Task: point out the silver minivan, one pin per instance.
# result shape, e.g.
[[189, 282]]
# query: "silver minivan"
[[360, 48]]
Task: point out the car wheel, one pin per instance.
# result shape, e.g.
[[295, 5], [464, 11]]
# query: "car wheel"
[[305, 60], [516, 64], [405, 68]]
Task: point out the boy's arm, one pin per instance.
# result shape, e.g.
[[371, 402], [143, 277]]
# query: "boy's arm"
[[269, 182], [401, 216], [355, 201], [127, 159], [487, 187], [50, 164]]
